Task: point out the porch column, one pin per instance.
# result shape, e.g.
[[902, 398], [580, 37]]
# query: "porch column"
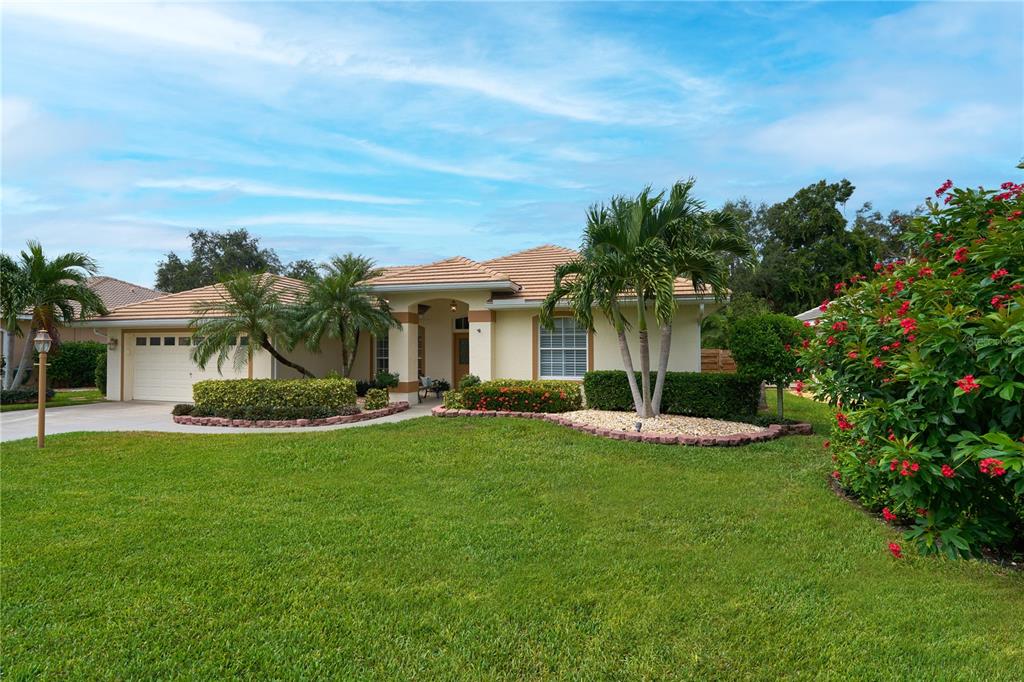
[[403, 355], [8, 353], [481, 344]]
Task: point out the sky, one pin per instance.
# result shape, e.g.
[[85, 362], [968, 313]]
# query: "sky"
[[414, 132]]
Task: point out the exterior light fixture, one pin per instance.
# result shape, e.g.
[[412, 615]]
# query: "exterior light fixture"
[[453, 306], [42, 343], [112, 344]]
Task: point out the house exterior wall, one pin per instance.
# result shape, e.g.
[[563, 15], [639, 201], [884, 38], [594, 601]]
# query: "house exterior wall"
[[320, 364], [18, 341]]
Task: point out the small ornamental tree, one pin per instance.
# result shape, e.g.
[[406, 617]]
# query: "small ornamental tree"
[[925, 360], [765, 347]]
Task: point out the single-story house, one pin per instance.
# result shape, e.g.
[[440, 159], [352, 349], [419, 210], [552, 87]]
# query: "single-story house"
[[112, 291], [810, 315], [456, 317]]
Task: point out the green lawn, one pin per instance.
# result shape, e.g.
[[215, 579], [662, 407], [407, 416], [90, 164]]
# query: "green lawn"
[[60, 399], [472, 548]]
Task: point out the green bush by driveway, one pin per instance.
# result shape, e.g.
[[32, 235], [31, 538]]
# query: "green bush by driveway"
[[230, 394], [471, 549]]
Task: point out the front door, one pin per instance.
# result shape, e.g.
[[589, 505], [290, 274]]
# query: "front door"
[[460, 359]]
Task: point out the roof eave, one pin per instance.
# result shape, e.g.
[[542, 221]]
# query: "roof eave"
[[497, 285]]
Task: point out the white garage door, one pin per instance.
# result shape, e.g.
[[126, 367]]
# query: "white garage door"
[[162, 368]]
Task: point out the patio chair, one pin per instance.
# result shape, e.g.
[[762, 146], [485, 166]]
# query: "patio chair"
[[426, 385]]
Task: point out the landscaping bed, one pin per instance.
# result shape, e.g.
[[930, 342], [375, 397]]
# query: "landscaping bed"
[[664, 430], [393, 408]]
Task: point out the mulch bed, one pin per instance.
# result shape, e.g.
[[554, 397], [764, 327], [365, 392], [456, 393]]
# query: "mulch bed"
[[393, 408]]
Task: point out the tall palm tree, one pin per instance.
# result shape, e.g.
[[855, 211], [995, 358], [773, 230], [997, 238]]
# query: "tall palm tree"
[[52, 291], [249, 305], [340, 305], [633, 251]]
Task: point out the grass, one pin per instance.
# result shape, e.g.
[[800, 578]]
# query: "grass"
[[472, 548], [60, 399]]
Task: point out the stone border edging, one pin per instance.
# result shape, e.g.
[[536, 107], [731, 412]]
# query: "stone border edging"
[[770, 433], [393, 408]]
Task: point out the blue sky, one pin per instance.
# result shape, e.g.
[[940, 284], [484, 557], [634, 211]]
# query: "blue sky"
[[419, 131]]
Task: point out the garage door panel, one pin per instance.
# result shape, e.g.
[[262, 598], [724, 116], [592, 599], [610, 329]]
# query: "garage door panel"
[[166, 372]]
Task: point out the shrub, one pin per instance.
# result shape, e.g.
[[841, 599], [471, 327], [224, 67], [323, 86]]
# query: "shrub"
[[441, 385], [386, 380], [182, 409], [453, 400], [511, 395], [469, 380], [100, 374], [377, 399], [766, 348], [362, 387], [926, 359], [74, 363], [263, 412], [222, 394], [717, 396], [22, 395]]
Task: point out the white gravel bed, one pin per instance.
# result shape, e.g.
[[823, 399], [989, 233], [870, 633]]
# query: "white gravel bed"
[[667, 424]]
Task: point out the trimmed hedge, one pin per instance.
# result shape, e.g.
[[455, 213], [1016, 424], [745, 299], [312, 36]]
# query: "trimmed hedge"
[[266, 412], [377, 399], [74, 363], [100, 375], [22, 395], [693, 394], [233, 394], [512, 395]]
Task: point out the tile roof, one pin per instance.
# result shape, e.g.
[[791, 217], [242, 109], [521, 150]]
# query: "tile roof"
[[117, 292], [457, 270], [182, 304]]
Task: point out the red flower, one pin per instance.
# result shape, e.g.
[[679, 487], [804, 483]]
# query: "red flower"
[[948, 471], [895, 550], [1016, 287], [799, 386], [960, 255], [844, 423], [836, 475], [943, 188], [824, 305], [925, 272], [805, 343], [877, 362], [841, 326], [838, 287], [1000, 273], [909, 324], [957, 272], [998, 301], [968, 384], [807, 324], [852, 355], [904, 307], [827, 444], [878, 267], [888, 515], [949, 198], [831, 340], [991, 466]]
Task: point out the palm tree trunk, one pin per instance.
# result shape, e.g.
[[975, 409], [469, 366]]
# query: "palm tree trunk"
[[267, 346], [25, 363], [663, 351], [645, 356], [627, 362], [779, 389], [352, 357]]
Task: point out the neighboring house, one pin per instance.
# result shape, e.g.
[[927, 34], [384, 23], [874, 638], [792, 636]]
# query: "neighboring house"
[[810, 315], [457, 317], [113, 292]]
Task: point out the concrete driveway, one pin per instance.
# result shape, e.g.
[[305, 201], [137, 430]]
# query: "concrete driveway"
[[151, 416]]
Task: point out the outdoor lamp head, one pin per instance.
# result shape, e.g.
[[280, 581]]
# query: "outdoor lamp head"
[[42, 341]]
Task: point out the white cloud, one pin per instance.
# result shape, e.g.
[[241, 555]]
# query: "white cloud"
[[18, 200], [490, 169], [200, 184]]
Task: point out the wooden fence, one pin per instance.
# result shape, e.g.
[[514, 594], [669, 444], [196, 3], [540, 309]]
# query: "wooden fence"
[[716, 360]]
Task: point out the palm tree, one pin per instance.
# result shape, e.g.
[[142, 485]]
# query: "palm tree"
[[340, 305], [633, 251], [250, 306], [52, 291]]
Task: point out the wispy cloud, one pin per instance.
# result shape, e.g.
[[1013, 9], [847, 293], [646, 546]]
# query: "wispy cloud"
[[268, 190]]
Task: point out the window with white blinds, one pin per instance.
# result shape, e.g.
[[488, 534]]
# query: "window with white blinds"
[[380, 357], [563, 350]]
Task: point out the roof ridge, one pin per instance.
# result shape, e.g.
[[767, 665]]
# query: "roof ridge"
[[122, 281], [531, 249], [190, 292]]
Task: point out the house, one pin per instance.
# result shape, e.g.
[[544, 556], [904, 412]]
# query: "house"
[[113, 292], [456, 317]]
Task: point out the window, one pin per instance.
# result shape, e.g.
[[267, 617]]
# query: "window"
[[140, 340], [421, 346], [154, 340], [563, 350], [462, 323], [184, 340], [380, 356], [243, 341], [169, 340]]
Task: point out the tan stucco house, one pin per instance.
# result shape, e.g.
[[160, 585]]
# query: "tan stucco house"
[[456, 316]]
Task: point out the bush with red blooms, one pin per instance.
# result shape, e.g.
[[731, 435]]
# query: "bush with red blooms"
[[925, 362]]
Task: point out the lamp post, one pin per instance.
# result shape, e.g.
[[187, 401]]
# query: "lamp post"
[[42, 344]]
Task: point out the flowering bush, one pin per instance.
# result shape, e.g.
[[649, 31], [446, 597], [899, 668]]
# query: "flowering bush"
[[511, 395], [926, 362]]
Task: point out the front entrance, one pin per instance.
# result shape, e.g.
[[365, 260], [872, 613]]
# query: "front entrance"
[[460, 357]]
